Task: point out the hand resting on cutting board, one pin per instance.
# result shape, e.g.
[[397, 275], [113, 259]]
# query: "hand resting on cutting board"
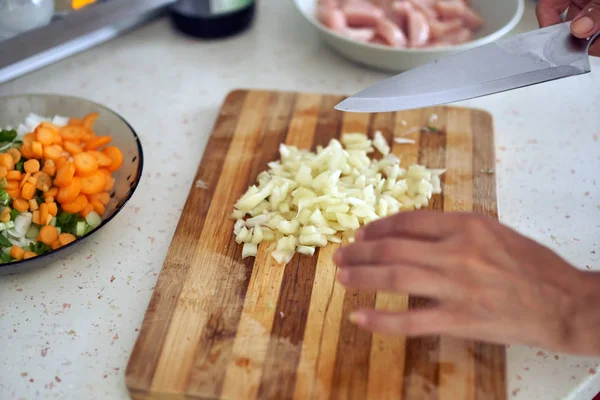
[[585, 15], [485, 281]]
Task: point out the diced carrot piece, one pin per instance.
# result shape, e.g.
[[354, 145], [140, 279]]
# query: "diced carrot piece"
[[33, 205], [15, 154], [29, 138], [50, 126], [43, 213], [31, 166], [52, 209], [25, 179], [48, 234], [52, 152], [5, 217], [36, 217], [76, 205], [21, 205], [68, 193], [60, 162], [28, 191], [26, 150], [43, 181], [14, 175], [64, 174], [89, 120], [88, 209], [94, 183], [66, 238], [115, 154], [56, 138], [110, 184], [17, 253], [49, 167], [98, 207], [28, 255], [71, 132], [7, 161], [4, 171], [104, 197], [72, 147], [75, 121], [97, 142], [103, 159], [85, 164], [55, 245], [51, 193], [14, 193], [44, 135], [37, 149], [11, 185]]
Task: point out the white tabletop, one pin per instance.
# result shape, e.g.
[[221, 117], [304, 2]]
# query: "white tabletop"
[[67, 331]]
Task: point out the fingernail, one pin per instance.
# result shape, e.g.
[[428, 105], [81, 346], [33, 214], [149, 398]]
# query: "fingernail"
[[357, 318], [583, 25], [343, 275]]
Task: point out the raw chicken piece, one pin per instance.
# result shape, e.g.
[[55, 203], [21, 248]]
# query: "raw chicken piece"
[[324, 9], [471, 19], [450, 9], [379, 40], [459, 36], [427, 7], [418, 29], [440, 28], [362, 13], [400, 11], [335, 20], [360, 34], [391, 33]]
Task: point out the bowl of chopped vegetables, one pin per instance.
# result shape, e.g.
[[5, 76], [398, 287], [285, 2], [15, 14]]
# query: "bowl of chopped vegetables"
[[67, 167]]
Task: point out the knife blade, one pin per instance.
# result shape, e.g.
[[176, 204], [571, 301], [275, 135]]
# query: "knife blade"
[[538, 56]]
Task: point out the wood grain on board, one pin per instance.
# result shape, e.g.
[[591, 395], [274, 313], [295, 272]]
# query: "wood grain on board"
[[219, 327]]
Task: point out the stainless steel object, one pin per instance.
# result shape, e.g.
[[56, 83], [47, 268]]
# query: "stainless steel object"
[[534, 57]]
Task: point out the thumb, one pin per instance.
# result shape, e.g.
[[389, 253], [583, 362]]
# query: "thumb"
[[587, 22]]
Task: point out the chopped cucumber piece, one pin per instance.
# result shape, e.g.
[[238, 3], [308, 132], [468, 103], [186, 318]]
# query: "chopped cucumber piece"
[[33, 232], [93, 219], [80, 228], [9, 224]]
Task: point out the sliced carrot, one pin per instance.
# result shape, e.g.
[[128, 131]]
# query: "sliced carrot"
[[11, 185], [85, 163], [89, 120], [17, 253], [66, 238], [14, 193], [7, 161], [13, 175], [24, 179], [64, 174], [76, 205], [29, 254], [72, 147], [68, 193], [21, 205], [88, 209], [51, 193], [88, 135], [29, 138], [31, 166], [59, 163], [49, 200], [26, 150], [103, 197], [15, 154], [52, 209], [97, 142], [43, 181], [4, 172], [28, 191], [55, 245], [75, 122], [44, 135], [98, 207], [48, 234], [33, 205], [103, 159], [52, 152], [94, 183], [37, 149], [49, 167], [43, 213], [50, 126], [71, 132], [5, 217], [36, 217], [115, 154], [110, 184]]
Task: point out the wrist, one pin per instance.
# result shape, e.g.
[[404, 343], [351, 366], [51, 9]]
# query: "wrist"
[[585, 321]]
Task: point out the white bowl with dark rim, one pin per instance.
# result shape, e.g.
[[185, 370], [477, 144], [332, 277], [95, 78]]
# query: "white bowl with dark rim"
[[14, 109], [500, 16]]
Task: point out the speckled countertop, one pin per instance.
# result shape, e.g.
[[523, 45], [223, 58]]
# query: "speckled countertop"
[[67, 331]]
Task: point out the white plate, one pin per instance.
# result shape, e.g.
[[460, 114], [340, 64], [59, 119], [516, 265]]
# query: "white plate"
[[500, 16]]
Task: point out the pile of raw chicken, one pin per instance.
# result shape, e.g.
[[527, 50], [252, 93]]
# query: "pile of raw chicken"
[[402, 23]]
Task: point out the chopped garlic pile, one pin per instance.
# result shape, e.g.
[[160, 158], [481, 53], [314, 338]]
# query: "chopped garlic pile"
[[308, 199]]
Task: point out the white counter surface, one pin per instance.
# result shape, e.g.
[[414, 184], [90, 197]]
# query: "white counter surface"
[[67, 331]]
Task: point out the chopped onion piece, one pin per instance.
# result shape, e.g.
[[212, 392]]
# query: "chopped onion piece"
[[249, 250]]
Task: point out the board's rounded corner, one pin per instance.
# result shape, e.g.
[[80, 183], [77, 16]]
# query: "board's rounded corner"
[[235, 93], [484, 113]]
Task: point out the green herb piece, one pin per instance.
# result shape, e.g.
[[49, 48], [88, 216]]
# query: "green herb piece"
[[4, 242], [40, 248], [7, 135], [4, 197], [429, 129], [14, 214], [5, 258], [488, 171], [67, 222], [19, 166]]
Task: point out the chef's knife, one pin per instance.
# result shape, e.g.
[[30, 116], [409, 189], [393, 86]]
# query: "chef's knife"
[[534, 57]]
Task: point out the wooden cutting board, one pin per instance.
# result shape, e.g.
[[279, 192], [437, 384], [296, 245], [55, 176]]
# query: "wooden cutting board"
[[219, 327]]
